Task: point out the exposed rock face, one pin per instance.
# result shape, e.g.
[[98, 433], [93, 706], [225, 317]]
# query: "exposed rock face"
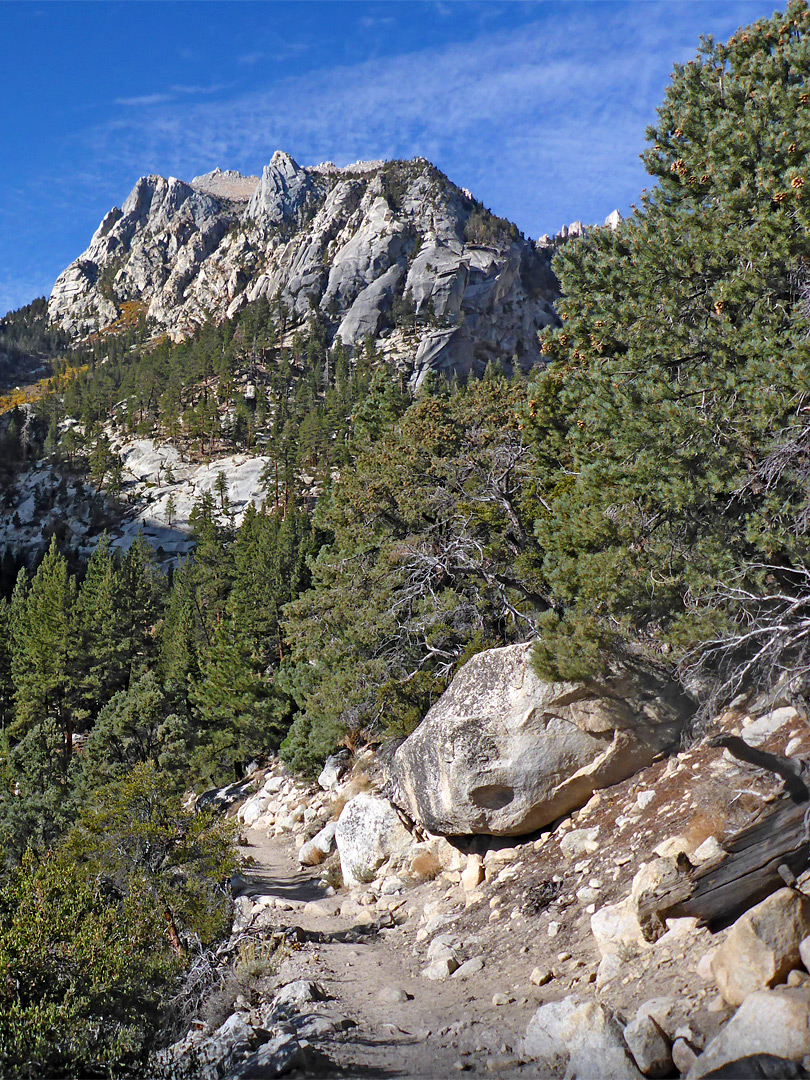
[[355, 242], [503, 752]]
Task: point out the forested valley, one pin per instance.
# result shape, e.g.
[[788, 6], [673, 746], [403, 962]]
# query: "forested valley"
[[643, 493]]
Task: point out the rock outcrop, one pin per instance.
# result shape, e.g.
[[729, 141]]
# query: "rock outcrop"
[[504, 753], [377, 246]]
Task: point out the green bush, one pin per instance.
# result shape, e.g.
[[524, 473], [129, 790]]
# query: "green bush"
[[93, 936]]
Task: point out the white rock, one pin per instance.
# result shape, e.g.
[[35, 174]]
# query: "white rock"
[[314, 851], [473, 873], [469, 967], [649, 1046], [550, 745], [763, 727], [440, 970], [580, 842], [709, 849], [369, 831], [579, 1038]]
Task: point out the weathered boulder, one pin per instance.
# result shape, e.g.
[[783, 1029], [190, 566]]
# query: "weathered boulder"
[[578, 1038], [762, 946], [334, 768], [314, 851], [769, 1022], [503, 752], [369, 831]]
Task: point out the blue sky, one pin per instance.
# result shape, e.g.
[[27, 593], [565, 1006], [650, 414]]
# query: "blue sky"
[[539, 108]]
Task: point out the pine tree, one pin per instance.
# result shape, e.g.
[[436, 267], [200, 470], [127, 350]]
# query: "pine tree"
[[46, 652], [683, 368]]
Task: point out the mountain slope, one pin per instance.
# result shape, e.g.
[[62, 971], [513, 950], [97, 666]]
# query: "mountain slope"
[[381, 248]]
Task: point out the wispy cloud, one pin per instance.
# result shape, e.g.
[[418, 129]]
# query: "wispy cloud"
[[143, 100], [165, 96], [544, 122]]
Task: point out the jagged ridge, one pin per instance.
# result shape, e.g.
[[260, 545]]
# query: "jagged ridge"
[[367, 244]]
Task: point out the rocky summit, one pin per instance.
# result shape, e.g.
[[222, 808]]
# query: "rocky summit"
[[370, 245]]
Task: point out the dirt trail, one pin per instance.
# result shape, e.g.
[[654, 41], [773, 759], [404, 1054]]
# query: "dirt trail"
[[439, 1029]]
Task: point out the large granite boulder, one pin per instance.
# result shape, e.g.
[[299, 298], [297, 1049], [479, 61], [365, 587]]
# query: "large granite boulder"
[[503, 752]]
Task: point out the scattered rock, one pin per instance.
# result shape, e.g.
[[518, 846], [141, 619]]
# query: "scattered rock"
[[277, 1057], [469, 967], [297, 995], [580, 842], [684, 1056], [393, 995], [473, 873], [649, 1045], [440, 970], [334, 769], [314, 851], [540, 976], [760, 730]]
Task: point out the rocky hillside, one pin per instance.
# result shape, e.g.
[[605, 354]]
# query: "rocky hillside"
[[378, 247]]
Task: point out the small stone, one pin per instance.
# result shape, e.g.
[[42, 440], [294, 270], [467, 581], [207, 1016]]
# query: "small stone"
[[502, 998], [717, 1005], [649, 1045], [762, 946], [440, 950], [473, 873], [553, 929], [761, 729], [709, 849], [769, 1022], [562, 957], [540, 976], [672, 847], [643, 800], [580, 842], [393, 995], [587, 895], [704, 965], [440, 970], [469, 967]]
